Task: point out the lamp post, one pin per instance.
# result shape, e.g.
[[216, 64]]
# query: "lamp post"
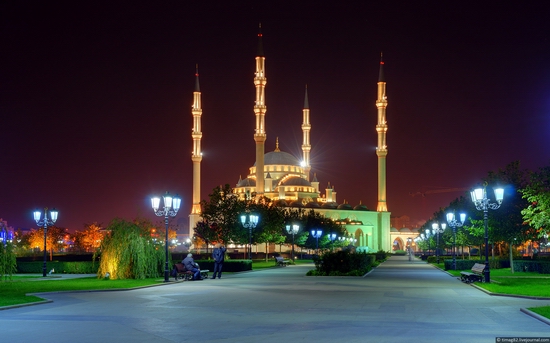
[[409, 248], [437, 230], [249, 224], [293, 229], [317, 234], [453, 223], [332, 237], [482, 203], [171, 208], [45, 222]]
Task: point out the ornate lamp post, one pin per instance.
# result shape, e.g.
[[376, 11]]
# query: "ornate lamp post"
[[45, 222], [250, 225], [332, 237], [453, 223], [437, 230], [171, 208], [317, 234], [482, 203], [293, 229]]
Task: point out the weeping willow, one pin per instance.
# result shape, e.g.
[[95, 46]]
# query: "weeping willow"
[[8, 263], [129, 252]]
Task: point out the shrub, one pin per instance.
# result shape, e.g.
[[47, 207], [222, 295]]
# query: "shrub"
[[400, 252], [7, 261], [343, 263], [60, 267]]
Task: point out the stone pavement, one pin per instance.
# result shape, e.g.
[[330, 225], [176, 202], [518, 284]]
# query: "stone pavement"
[[400, 301]]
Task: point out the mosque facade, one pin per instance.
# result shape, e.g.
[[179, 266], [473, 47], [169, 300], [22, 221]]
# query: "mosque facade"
[[286, 179]]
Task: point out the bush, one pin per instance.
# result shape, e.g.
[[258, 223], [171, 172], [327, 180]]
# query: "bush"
[[400, 252], [60, 267], [7, 261], [343, 263]]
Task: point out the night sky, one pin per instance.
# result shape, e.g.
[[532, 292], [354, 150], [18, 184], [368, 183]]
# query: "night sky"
[[95, 98]]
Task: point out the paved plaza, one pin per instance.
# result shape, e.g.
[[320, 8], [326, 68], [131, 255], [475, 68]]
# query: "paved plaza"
[[400, 301]]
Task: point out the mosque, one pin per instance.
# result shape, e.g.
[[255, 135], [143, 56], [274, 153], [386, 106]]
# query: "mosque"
[[286, 179]]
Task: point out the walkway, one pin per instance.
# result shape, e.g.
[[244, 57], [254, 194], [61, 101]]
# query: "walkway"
[[400, 301]]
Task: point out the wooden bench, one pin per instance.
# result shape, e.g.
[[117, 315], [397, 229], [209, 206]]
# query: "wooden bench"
[[475, 275], [184, 274], [281, 261]]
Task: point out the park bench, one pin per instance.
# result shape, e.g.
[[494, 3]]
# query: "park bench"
[[183, 274], [281, 261], [475, 275]]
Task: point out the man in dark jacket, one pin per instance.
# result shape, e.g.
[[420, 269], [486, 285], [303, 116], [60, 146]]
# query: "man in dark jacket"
[[218, 255], [190, 264]]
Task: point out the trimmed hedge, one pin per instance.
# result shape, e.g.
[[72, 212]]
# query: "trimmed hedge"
[[228, 265], [542, 267], [343, 263], [468, 264], [60, 267]]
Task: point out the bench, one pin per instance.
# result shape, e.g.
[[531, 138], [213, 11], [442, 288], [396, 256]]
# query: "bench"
[[475, 275], [183, 274], [281, 261]]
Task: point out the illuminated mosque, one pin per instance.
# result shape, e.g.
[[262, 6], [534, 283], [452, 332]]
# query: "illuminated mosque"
[[286, 179]]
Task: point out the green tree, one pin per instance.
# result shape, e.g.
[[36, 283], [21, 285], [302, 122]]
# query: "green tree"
[[8, 263], [129, 252], [221, 212], [271, 224], [537, 194]]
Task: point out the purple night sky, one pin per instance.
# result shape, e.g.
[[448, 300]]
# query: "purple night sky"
[[96, 97]]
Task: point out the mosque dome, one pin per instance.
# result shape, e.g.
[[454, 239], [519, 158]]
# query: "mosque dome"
[[360, 207], [345, 206], [330, 205], [313, 204], [280, 158], [248, 182], [296, 203], [296, 181]]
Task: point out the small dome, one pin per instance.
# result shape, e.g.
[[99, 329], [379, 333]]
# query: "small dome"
[[296, 181], [280, 203], [361, 207], [330, 205], [344, 206], [296, 203], [248, 182], [393, 230], [313, 204]]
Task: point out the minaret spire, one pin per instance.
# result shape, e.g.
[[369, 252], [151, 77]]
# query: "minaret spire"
[[381, 129], [306, 145], [196, 155], [260, 110]]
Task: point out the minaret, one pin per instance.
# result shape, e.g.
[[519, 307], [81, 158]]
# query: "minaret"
[[196, 155], [382, 148], [306, 146], [259, 110]]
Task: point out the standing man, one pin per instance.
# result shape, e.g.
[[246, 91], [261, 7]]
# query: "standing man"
[[218, 255]]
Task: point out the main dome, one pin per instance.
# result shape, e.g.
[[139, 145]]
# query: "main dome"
[[280, 158]]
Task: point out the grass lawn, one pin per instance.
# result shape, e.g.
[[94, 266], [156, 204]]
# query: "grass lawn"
[[14, 292]]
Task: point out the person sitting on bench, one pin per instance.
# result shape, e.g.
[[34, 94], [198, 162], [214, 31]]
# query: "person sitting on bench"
[[190, 264]]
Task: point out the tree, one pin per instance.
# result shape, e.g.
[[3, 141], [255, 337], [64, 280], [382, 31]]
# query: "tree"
[[8, 263], [271, 224], [537, 193], [128, 251], [222, 213], [90, 239], [54, 239]]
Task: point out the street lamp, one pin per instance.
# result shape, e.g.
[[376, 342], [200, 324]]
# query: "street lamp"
[[409, 248], [250, 224], [482, 203], [45, 222], [332, 237], [453, 223], [437, 230], [317, 234], [171, 208], [293, 229]]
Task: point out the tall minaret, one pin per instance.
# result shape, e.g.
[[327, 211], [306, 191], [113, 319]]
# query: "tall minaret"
[[306, 146], [382, 148], [196, 156], [259, 110]]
